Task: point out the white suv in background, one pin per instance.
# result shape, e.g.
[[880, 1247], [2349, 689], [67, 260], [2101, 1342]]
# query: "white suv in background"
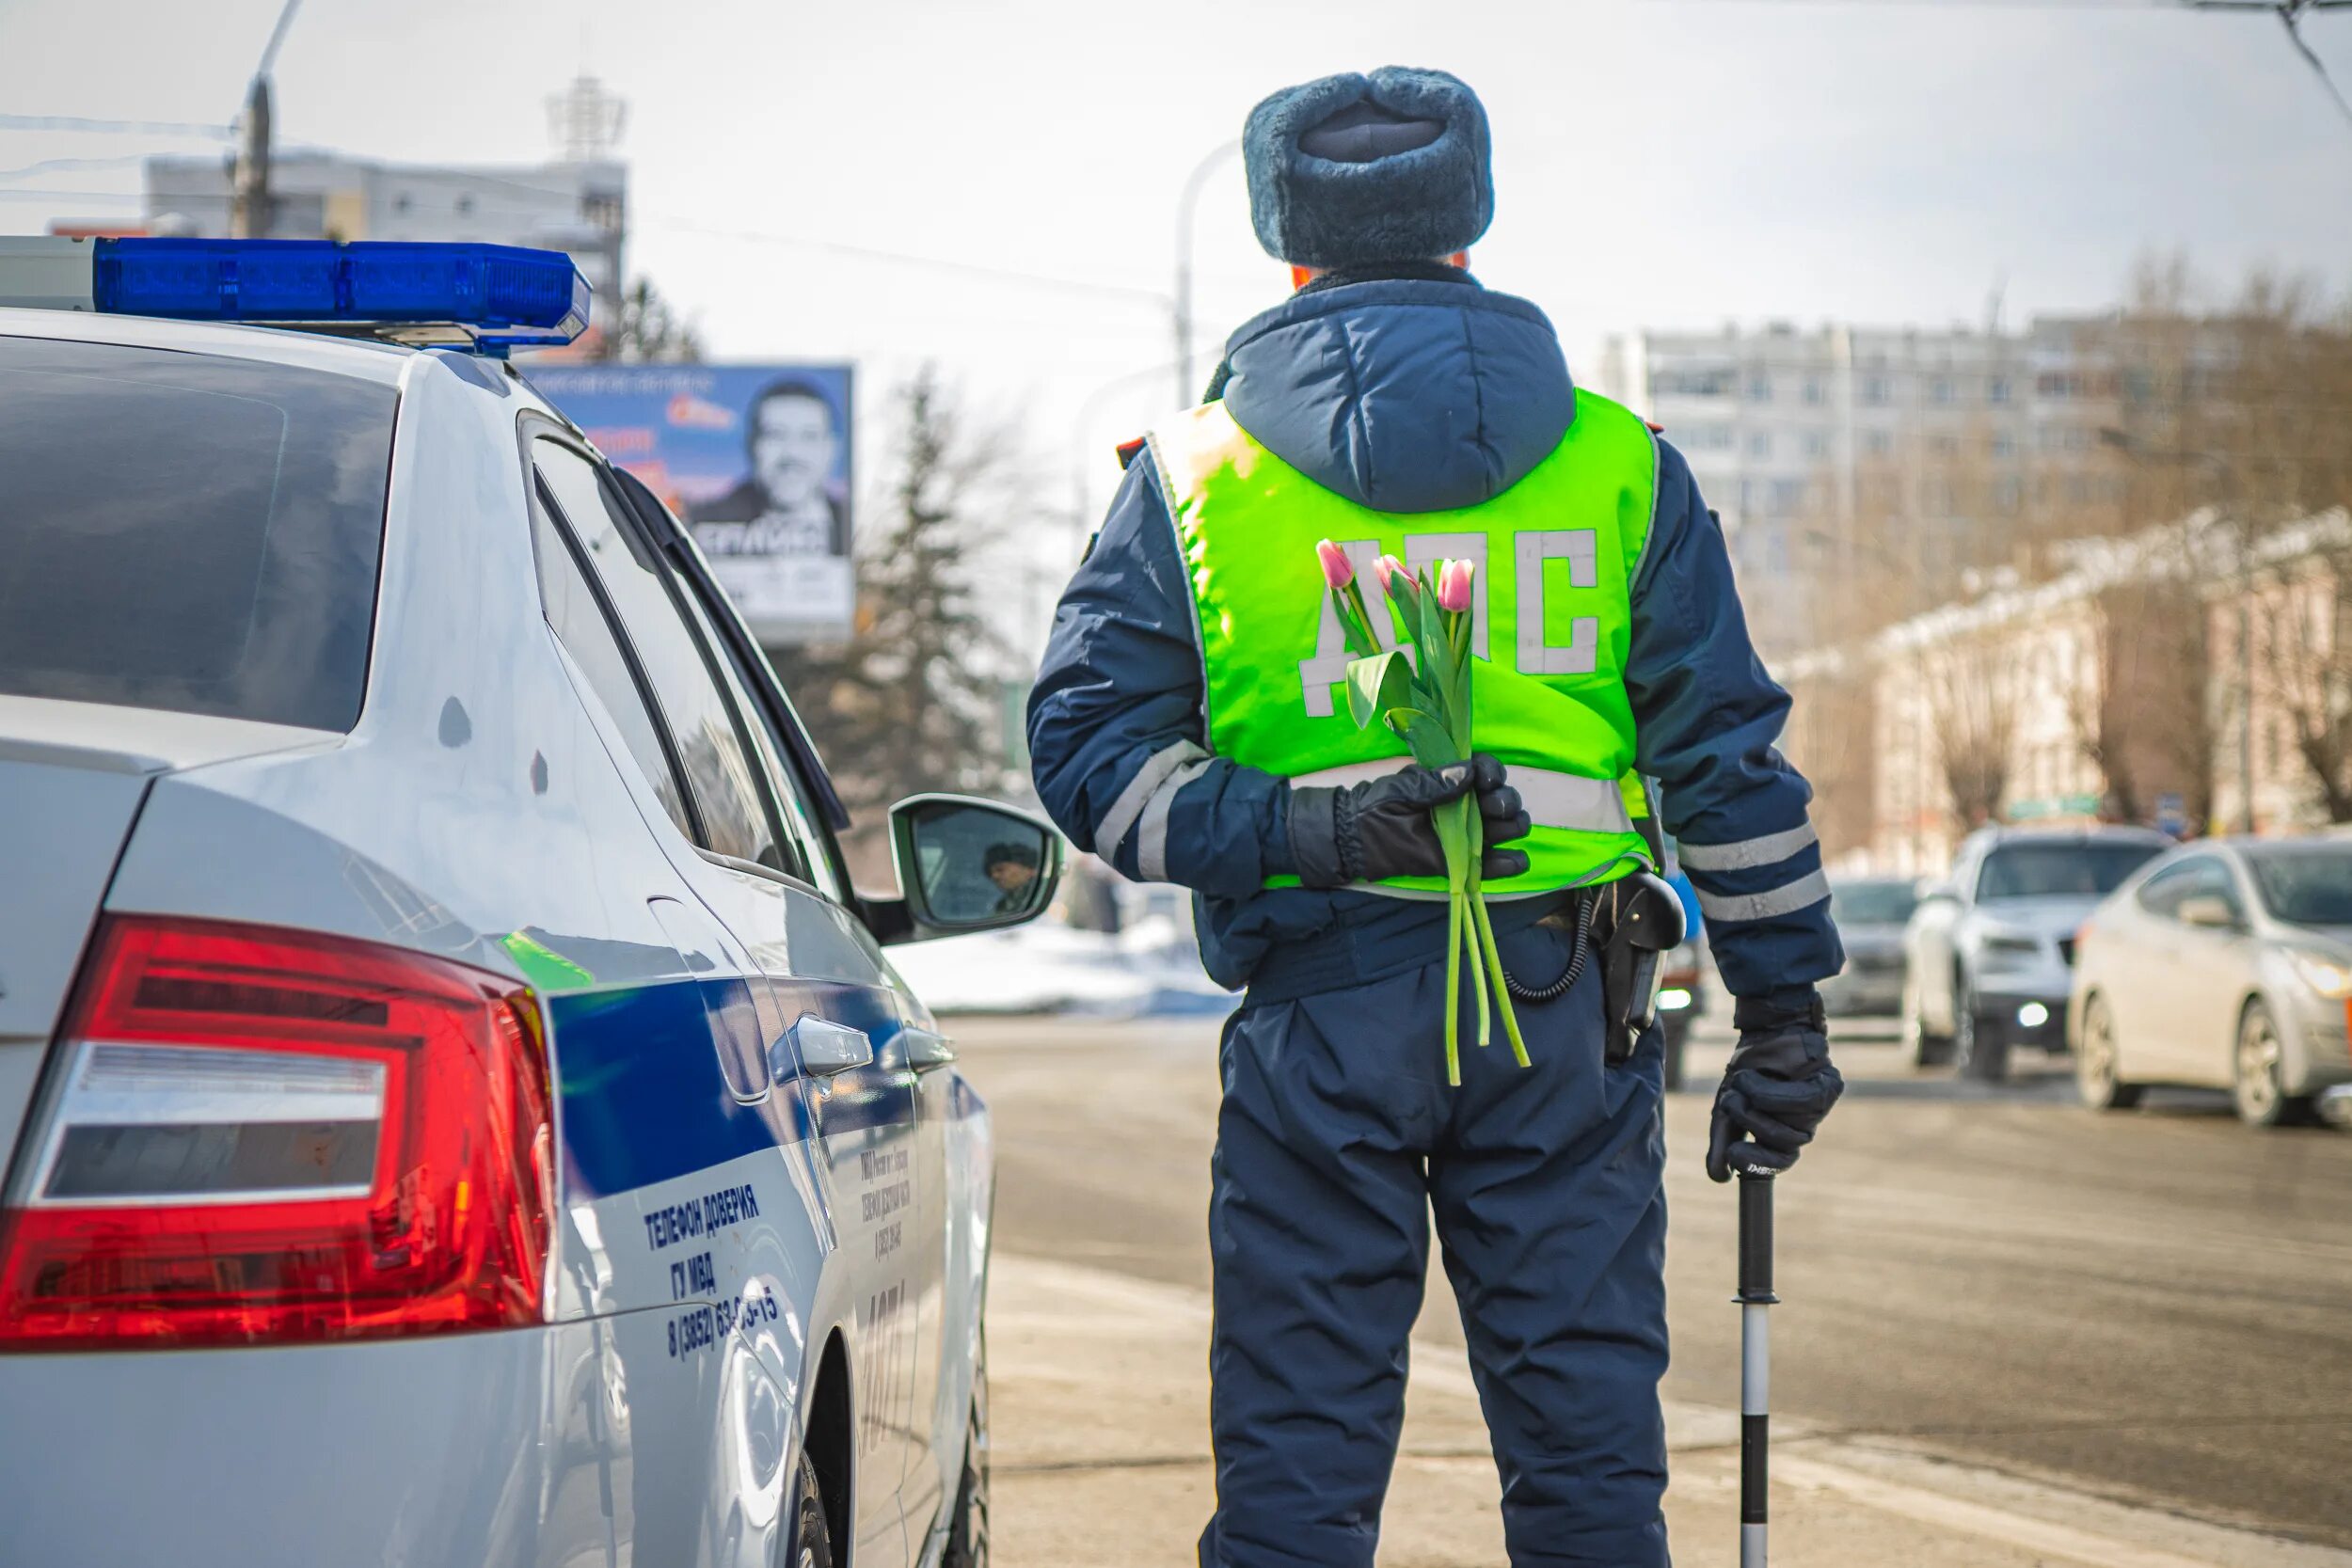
[[1989, 954]]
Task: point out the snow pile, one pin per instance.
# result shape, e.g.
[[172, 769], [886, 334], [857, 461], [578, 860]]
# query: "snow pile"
[[1151, 967]]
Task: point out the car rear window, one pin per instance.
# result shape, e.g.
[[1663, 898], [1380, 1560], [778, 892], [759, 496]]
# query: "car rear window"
[[1871, 903], [187, 531], [2060, 870]]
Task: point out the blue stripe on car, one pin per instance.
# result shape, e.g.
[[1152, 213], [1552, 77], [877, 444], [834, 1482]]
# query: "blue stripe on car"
[[644, 1098]]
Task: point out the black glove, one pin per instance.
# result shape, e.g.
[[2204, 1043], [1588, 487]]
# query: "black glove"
[[1777, 1087], [1371, 831]]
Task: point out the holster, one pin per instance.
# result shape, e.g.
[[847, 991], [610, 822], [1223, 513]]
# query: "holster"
[[1636, 921]]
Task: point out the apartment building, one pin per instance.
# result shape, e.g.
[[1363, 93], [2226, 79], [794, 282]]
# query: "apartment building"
[[1864, 473]]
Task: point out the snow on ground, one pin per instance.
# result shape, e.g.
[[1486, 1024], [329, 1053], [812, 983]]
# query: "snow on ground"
[[1151, 967]]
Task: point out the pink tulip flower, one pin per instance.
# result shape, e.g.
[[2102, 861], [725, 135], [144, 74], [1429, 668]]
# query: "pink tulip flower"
[[1453, 586], [1391, 572], [1338, 570]]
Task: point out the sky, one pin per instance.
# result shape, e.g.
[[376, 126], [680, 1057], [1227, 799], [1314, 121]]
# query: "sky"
[[1658, 163]]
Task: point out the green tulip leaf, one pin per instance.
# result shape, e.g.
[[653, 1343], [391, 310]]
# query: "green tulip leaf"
[[1439, 666], [1377, 684], [1431, 746]]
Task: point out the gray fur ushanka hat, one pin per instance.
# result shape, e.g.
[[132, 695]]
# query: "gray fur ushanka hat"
[[1350, 171]]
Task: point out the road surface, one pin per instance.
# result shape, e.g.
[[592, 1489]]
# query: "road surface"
[[2154, 1307]]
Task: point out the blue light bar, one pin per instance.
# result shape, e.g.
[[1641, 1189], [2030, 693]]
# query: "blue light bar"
[[506, 296]]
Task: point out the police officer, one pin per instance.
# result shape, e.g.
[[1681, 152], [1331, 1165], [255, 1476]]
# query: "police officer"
[[1189, 727]]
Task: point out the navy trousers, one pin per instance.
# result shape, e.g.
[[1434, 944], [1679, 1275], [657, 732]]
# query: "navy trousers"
[[1337, 1139]]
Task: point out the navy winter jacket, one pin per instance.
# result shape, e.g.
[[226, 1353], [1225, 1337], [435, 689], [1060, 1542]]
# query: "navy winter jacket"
[[1414, 396]]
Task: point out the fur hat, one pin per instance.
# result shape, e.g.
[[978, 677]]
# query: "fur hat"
[[1351, 169]]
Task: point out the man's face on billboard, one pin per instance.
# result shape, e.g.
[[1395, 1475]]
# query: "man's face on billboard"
[[793, 449]]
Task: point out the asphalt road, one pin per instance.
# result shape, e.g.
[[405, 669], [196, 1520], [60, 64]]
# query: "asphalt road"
[[2156, 1307]]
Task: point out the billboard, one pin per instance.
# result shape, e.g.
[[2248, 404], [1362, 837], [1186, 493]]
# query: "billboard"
[[756, 458]]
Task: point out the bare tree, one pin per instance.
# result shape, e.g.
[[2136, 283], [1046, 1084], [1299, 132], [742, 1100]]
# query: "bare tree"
[[2304, 663], [2145, 722], [2220, 424], [1972, 692], [1832, 737], [2258, 446]]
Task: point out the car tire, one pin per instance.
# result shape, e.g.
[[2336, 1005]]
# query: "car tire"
[[2257, 1072], [1980, 1046], [2097, 1060], [1675, 1031], [811, 1545], [1926, 1049], [967, 1531]]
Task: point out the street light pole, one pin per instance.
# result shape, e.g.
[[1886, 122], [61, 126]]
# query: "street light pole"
[[1081, 443], [1040, 577], [250, 201], [1187, 203]]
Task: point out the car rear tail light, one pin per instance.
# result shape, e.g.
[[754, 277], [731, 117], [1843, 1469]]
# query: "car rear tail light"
[[254, 1134]]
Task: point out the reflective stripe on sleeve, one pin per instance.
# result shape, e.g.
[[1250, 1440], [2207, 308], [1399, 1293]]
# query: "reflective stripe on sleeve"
[[1766, 850], [1566, 800], [1789, 896], [1151, 836], [1112, 831]]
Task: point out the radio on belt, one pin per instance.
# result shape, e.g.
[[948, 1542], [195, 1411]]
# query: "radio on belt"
[[490, 298]]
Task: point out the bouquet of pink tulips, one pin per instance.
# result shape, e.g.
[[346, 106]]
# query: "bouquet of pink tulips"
[[1423, 696]]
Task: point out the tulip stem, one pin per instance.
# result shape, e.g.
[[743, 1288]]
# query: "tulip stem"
[[1471, 905], [1472, 838], [1453, 992], [1494, 960]]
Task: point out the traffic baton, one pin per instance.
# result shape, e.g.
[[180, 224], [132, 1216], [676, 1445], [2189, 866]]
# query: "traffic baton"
[[1756, 1299]]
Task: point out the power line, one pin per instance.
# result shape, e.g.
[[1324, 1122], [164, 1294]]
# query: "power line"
[[834, 247], [2290, 14], [934, 263], [115, 127], [55, 165], [1993, 5], [102, 196]]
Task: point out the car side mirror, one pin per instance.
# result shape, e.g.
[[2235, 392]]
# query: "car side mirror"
[[965, 864], [2207, 911], [1942, 892]]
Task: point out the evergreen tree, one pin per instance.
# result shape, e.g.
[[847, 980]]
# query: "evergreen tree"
[[911, 702], [647, 329]]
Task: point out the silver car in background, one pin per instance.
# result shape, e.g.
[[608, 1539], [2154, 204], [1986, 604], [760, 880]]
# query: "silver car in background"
[[1988, 954], [2226, 964], [1871, 914]]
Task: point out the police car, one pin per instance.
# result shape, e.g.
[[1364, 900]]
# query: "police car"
[[456, 1109]]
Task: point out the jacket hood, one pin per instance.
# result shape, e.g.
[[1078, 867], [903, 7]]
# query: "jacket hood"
[[1403, 395]]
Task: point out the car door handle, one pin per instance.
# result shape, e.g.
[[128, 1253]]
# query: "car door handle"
[[927, 1048], [828, 1048]]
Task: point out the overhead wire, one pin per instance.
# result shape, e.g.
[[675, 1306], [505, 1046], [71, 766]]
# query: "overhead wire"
[[80, 126], [936, 264], [2289, 13]]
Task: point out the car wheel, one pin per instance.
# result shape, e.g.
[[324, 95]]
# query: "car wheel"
[[2257, 1082], [1676, 1029], [812, 1537], [2097, 1061], [967, 1535], [1980, 1046], [1926, 1049]]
